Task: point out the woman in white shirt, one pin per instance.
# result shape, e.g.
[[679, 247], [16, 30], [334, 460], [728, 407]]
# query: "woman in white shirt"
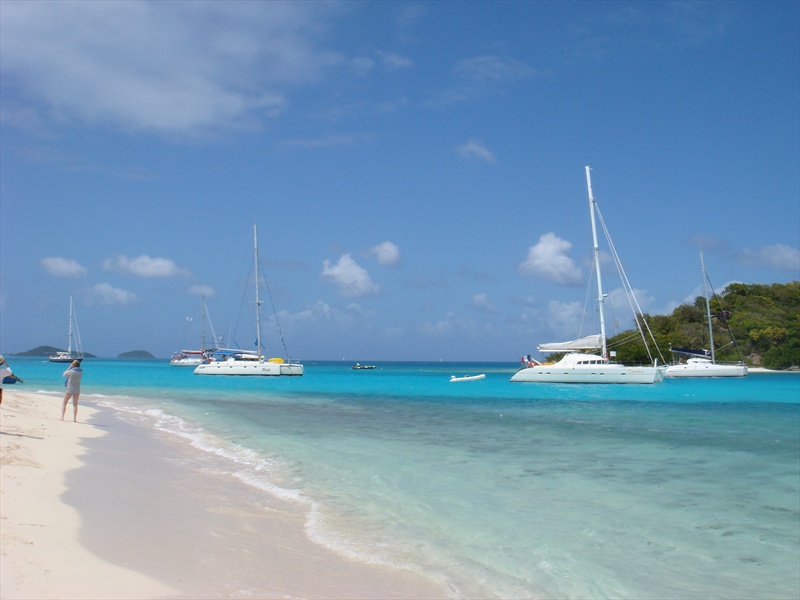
[[73, 385]]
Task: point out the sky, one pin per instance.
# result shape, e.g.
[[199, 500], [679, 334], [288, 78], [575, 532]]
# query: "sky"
[[415, 169]]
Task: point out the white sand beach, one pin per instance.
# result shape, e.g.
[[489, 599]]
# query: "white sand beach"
[[105, 509]]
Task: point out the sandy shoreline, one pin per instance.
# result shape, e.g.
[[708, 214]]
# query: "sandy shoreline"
[[107, 509]]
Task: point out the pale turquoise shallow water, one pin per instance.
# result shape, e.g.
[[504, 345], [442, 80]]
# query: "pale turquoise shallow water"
[[686, 489]]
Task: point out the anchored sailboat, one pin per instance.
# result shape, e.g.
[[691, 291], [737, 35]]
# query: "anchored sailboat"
[[242, 362], [577, 365], [74, 350], [703, 363], [192, 358]]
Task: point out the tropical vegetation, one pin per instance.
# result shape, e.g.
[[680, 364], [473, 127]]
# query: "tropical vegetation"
[[759, 322]]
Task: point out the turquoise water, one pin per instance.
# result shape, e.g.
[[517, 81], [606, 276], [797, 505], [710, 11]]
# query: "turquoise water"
[[684, 489]]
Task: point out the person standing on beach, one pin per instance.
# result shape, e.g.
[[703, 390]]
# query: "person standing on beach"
[[5, 371], [73, 384]]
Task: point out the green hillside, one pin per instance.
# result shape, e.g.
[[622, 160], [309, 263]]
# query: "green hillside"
[[763, 321]]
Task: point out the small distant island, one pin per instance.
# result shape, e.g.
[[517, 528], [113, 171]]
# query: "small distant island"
[[47, 351], [136, 354], [50, 350]]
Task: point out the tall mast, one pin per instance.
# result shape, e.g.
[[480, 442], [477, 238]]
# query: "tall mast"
[[708, 307], [258, 300], [202, 322], [70, 334], [596, 252]]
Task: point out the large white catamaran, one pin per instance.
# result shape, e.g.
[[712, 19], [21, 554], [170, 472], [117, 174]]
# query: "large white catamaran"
[[578, 365], [246, 362]]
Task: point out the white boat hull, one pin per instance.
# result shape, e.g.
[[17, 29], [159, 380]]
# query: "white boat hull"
[[701, 367], [249, 367], [577, 367], [599, 374]]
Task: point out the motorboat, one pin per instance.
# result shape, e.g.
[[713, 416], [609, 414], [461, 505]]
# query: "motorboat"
[[359, 366]]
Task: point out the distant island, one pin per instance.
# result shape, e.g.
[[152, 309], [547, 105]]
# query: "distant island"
[[46, 351], [136, 354]]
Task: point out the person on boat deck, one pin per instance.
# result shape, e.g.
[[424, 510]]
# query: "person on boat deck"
[[73, 385], [5, 371]]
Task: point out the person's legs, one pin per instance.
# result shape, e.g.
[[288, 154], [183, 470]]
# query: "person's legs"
[[64, 405], [75, 407]]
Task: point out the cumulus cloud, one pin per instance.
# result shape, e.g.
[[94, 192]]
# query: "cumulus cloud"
[[549, 260], [144, 266], [386, 253], [63, 267], [780, 257], [352, 280], [474, 149], [104, 293], [201, 290], [174, 67], [481, 302]]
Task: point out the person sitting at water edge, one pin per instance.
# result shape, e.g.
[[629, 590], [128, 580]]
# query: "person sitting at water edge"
[[73, 385]]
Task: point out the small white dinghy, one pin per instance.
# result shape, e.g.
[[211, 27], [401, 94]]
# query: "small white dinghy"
[[467, 378]]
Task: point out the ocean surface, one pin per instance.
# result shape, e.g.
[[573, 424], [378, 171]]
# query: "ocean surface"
[[684, 489]]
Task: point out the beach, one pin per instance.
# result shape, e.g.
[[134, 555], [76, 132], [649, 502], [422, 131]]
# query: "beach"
[[105, 509], [397, 483]]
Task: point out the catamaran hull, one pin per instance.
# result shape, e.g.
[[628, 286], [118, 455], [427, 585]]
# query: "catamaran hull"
[[234, 367], [709, 370], [554, 374]]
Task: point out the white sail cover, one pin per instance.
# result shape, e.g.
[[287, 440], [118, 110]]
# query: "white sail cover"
[[585, 343]]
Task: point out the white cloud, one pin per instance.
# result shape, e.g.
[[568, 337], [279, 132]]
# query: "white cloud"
[[481, 302], [144, 266], [386, 253], [352, 280], [780, 257], [564, 319], [395, 61], [63, 267], [491, 70], [476, 149], [177, 67], [104, 293], [201, 290], [548, 259]]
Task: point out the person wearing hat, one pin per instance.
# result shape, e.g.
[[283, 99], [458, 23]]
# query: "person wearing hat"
[[5, 371]]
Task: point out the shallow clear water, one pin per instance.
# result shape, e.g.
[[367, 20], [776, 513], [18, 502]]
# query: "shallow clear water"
[[675, 490]]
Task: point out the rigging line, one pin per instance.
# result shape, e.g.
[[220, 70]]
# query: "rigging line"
[[586, 302], [727, 326], [241, 305], [275, 313], [637, 311]]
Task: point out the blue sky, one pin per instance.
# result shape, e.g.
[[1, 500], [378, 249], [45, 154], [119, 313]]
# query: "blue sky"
[[416, 169]]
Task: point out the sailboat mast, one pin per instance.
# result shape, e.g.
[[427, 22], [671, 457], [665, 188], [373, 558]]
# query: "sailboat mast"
[[258, 300], [708, 307], [70, 334], [596, 252], [202, 323]]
